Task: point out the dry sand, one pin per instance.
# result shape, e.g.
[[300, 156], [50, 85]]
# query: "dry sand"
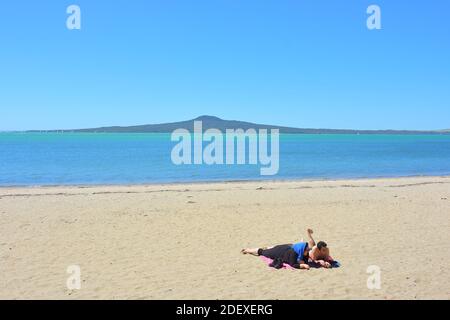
[[183, 241]]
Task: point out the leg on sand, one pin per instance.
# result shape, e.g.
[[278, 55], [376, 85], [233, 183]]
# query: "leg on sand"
[[254, 251]]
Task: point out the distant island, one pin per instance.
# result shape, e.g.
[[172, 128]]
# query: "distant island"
[[221, 124]]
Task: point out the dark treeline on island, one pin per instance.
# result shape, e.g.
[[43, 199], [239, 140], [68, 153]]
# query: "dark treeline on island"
[[221, 124]]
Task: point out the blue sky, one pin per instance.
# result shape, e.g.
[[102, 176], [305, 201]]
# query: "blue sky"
[[303, 63]]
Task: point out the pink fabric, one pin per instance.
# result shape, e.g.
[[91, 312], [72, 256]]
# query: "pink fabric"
[[268, 261]]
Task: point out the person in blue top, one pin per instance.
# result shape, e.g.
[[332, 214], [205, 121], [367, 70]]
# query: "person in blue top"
[[295, 255]]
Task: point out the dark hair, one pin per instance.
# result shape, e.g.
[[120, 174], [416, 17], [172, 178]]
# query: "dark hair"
[[321, 244]]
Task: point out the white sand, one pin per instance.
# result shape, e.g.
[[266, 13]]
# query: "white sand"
[[183, 241]]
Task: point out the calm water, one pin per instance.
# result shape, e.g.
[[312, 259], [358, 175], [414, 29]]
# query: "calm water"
[[72, 158]]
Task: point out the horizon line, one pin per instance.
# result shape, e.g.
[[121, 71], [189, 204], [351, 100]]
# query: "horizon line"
[[202, 117]]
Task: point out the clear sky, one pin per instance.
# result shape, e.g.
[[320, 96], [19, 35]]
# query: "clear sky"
[[302, 63]]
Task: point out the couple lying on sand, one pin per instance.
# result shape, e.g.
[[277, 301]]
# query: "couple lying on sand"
[[301, 255]]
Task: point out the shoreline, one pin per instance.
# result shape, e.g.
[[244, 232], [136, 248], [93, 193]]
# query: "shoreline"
[[211, 182]]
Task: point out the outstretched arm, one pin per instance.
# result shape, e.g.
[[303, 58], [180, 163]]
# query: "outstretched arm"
[[301, 265], [311, 241]]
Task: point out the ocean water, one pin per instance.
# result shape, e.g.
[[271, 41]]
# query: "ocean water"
[[107, 158]]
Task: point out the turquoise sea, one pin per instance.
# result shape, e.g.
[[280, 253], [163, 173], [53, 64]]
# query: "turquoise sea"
[[107, 158]]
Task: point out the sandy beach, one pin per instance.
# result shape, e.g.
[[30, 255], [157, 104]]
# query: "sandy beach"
[[183, 241]]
